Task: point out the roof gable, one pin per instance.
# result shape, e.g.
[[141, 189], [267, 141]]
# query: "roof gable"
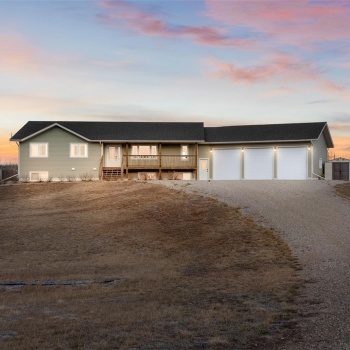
[[42, 130]]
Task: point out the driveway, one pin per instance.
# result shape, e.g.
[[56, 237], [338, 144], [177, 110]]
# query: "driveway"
[[315, 222]]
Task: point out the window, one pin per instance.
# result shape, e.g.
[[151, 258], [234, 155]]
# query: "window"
[[39, 150], [320, 163], [39, 175], [141, 150], [184, 152], [78, 150]]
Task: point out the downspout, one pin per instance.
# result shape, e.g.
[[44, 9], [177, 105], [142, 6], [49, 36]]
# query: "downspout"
[[101, 162], [19, 157], [312, 159], [312, 164], [319, 176]]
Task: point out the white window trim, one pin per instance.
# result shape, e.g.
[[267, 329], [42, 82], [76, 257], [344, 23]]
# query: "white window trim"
[[143, 156], [43, 176], [79, 156], [39, 143], [185, 157]]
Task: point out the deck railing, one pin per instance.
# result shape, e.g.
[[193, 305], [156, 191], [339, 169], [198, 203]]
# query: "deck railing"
[[162, 162]]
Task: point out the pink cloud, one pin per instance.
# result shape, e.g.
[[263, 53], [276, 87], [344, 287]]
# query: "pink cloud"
[[278, 67], [16, 53], [298, 21], [122, 13]]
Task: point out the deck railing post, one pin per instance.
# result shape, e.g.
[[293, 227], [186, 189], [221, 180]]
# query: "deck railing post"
[[160, 161], [196, 160], [127, 160]]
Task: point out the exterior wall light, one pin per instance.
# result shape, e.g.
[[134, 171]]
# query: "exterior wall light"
[[73, 169]]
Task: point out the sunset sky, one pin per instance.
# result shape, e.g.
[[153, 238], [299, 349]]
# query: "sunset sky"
[[220, 62]]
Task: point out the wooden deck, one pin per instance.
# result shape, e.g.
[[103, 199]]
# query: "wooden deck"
[[149, 163], [163, 162]]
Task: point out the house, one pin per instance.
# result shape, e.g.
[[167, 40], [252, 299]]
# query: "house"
[[156, 150], [337, 169]]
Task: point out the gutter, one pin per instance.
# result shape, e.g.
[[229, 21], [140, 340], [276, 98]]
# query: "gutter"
[[257, 141]]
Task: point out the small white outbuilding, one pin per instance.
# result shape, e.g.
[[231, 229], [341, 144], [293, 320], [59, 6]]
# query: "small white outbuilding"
[[337, 169]]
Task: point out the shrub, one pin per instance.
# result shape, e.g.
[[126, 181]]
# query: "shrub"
[[71, 178], [86, 177]]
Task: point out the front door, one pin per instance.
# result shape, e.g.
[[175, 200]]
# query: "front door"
[[113, 157], [341, 171], [204, 169]]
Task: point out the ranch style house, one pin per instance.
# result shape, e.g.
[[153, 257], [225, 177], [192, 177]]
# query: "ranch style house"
[[66, 150]]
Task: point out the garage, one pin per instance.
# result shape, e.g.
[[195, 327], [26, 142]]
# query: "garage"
[[258, 163], [227, 164], [292, 163]]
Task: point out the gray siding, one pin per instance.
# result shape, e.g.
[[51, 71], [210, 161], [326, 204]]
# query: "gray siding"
[[58, 163], [319, 150]]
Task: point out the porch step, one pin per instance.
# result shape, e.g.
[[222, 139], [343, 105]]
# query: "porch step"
[[111, 174]]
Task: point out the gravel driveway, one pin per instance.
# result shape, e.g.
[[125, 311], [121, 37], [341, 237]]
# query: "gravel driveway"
[[315, 222]]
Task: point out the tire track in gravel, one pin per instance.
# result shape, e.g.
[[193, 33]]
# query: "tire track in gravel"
[[315, 222]]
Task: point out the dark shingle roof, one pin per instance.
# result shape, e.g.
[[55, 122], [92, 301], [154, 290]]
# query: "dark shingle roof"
[[265, 133], [122, 131], [158, 131]]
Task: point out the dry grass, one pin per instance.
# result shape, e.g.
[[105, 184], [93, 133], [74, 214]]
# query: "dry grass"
[[190, 272], [343, 189]]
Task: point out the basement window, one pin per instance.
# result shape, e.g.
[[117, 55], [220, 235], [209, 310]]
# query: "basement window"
[[38, 175], [78, 150], [39, 150]]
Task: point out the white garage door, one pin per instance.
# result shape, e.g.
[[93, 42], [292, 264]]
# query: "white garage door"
[[258, 163], [292, 163], [227, 164]]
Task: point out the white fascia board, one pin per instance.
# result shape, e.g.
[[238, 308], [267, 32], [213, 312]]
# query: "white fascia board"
[[252, 142], [50, 127], [326, 128], [148, 141]]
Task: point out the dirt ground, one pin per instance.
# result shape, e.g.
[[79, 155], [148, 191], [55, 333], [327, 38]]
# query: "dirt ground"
[[343, 189], [121, 265]]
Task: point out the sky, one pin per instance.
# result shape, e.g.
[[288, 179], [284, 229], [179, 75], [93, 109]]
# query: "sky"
[[217, 62]]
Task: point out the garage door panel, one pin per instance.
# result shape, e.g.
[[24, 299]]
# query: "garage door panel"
[[258, 164], [292, 163], [227, 164]]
